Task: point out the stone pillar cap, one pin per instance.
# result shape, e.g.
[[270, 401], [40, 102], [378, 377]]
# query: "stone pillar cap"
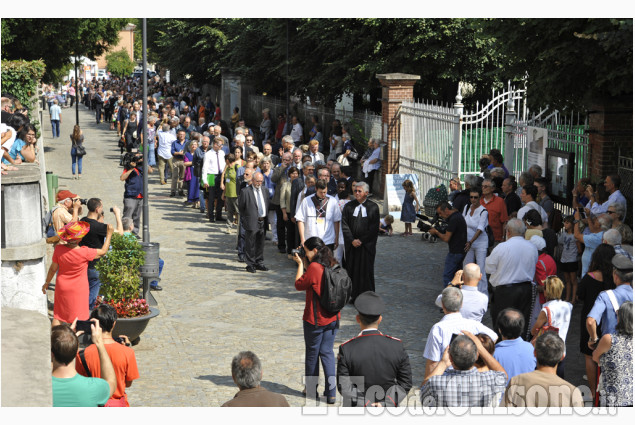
[[398, 76]]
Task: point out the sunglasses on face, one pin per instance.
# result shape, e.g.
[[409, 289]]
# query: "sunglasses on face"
[[474, 197]]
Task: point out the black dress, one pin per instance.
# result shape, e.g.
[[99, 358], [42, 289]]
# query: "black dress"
[[588, 291]]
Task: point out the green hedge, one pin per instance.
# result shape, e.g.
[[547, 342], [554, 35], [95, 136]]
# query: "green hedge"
[[21, 78]]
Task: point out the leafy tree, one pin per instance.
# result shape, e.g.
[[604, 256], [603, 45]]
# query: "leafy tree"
[[55, 41], [119, 63], [566, 62]]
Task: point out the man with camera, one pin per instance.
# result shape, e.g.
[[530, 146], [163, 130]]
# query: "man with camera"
[[95, 239], [133, 190], [73, 390], [68, 208], [121, 355], [456, 237], [474, 302]]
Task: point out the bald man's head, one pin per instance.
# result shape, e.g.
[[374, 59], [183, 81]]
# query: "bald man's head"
[[471, 274]]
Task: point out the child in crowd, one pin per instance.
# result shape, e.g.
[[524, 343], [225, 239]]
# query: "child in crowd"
[[408, 209], [569, 259], [385, 225]]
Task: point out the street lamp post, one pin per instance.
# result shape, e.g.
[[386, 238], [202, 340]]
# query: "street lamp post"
[[76, 94]]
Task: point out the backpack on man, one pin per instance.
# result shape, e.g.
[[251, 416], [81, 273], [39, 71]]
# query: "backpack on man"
[[336, 291], [47, 223]]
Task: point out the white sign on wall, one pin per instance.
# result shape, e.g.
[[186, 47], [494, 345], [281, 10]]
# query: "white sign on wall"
[[395, 192], [537, 146]]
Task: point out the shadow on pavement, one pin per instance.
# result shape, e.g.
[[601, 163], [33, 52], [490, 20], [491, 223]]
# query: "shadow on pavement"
[[271, 386]]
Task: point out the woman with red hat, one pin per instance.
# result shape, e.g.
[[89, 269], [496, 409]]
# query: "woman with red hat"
[[70, 261]]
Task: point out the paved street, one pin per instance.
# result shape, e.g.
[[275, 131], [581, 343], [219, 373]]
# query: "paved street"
[[211, 308]]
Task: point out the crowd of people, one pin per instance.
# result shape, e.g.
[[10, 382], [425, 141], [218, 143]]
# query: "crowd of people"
[[309, 194]]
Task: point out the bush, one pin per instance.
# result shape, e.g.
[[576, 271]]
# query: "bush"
[[119, 273], [21, 78]]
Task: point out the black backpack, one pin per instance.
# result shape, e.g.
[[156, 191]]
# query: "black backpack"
[[336, 291]]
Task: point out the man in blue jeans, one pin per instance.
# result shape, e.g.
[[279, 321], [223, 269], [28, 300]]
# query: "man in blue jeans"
[[456, 237], [95, 239], [56, 118]]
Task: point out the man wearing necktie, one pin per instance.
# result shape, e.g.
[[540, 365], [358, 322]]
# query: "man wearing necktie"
[[213, 166], [253, 204], [360, 226], [314, 145]]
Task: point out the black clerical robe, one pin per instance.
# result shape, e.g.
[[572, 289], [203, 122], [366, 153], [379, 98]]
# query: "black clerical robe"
[[360, 261]]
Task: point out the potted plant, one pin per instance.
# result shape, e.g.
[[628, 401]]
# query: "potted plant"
[[119, 272]]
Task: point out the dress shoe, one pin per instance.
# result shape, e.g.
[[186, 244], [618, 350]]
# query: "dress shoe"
[[261, 267], [156, 288], [172, 194], [241, 258], [219, 218], [250, 269], [212, 220], [181, 194], [282, 250]]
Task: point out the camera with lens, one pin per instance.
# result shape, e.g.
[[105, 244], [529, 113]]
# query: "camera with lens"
[[130, 158], [425, 224], [300, 251], [82, 200]]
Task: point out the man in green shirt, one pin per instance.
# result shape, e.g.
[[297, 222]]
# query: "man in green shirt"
[[69, 388]]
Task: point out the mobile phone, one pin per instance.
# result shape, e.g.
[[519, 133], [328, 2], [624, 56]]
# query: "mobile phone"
[[453, 337], [582, 213], [83, 325]]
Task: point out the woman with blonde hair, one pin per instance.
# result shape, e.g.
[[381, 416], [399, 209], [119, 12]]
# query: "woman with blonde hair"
[[555, 312], [77, 140]]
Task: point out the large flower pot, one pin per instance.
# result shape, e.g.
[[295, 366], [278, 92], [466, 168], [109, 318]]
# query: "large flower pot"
[[132, 327]]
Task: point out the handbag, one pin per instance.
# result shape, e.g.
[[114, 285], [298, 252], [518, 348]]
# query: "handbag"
[[343, 161], [79, 149], [353, 155], [547, 327]]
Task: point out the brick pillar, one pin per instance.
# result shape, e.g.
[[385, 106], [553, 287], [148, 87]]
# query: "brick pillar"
[[396, 88], [610, 131]]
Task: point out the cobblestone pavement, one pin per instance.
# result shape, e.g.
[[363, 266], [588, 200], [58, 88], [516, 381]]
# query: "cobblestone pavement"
[[211, 308]]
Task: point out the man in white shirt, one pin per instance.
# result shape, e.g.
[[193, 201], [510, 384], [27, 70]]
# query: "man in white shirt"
[[319, 215], [213, 165], [296, 131], [164, 150], [528, 197], [474, 302], [612, 184], [512, 266], [452, 323], [372, 163]]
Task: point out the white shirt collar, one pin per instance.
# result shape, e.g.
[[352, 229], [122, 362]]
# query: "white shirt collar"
[[359, 208]]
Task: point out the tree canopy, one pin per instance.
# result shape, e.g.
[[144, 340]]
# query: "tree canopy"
[[567, 62], [119, 63], [56, 40]]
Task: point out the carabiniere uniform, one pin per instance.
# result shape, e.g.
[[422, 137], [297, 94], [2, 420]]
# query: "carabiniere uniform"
[[373, 367]]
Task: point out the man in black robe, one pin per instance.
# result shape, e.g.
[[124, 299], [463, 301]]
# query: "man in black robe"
[[360, 226]]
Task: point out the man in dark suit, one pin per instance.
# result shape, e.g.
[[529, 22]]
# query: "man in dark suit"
[[241, 183], [372, 368], [512, 200], [253, 206]]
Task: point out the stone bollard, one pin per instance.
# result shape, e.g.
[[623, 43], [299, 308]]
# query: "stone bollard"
[[23, 245]]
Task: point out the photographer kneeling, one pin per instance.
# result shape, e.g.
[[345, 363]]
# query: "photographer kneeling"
[[318, 337], [133, 192]]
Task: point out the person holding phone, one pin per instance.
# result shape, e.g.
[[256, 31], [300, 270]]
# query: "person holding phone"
[[70, 262], [68, 387]]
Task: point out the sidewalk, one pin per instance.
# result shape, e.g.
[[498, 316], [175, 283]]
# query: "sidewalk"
[[211, 308]]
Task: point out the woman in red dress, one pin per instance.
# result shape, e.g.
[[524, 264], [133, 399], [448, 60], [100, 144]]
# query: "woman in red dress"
[[70, 261]]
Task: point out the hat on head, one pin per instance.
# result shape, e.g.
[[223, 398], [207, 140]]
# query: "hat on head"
[[622, 263], [73, 231], [538, 242], [63, 194], [369, 304]]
